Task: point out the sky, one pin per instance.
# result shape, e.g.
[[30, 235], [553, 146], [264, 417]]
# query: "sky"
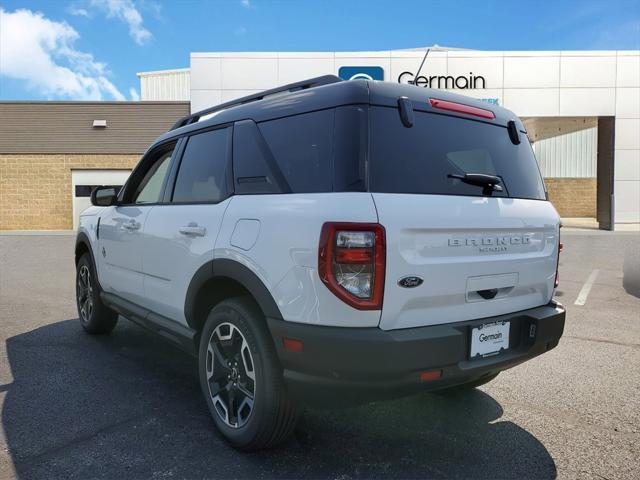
[[92, 49]]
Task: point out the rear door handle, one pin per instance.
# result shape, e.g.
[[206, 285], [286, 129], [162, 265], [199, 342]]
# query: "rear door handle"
[[131, 226], [193, 229]]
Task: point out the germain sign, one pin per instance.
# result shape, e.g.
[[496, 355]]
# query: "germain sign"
[[448, 82], [443, 81]]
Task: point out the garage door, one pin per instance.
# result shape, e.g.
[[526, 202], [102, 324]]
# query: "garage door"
[[84, 181]]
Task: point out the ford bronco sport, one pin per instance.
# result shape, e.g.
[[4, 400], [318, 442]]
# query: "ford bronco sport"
[[329, 240]]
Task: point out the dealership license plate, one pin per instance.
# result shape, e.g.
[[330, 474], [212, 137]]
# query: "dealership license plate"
[[489, 339]]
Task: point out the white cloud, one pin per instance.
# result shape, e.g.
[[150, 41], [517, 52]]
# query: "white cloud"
[[127, 12], [78, 12], [151, 6], [41, 52], [133, 93], [246, 3]]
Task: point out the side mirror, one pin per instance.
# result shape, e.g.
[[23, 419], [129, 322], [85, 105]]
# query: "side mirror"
[[104, 196]]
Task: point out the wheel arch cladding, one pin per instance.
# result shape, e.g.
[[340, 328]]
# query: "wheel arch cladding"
[[219, 279], [83, 245]]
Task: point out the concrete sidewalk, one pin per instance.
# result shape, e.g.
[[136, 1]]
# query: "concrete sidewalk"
[[592, 224]]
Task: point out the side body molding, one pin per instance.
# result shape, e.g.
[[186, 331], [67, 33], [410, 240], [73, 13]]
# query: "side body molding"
[[224, 268]]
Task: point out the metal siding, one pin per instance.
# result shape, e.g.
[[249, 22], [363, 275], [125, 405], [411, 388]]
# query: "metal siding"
[[573, 155], [169, 85], [67, 127]]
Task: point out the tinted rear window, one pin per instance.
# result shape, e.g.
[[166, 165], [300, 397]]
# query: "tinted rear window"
[[202, 175], [419, 159]]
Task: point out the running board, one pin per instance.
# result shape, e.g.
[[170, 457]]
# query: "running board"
[[179, 335]]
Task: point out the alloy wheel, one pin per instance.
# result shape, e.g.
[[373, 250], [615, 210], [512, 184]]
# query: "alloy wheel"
[[230, 375], [84, 292]]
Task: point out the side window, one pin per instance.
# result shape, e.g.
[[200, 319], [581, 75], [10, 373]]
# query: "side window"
[[149, 190], [202, 176], [302, 148]]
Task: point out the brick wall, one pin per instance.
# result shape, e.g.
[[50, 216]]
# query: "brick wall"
[[35, 190], [573, 197]]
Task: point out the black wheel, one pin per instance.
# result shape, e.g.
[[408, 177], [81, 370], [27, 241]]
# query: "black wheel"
[[241, 377], [465, 387], [95, 317]]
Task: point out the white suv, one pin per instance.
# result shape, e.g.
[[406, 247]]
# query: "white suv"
[[330, 241]]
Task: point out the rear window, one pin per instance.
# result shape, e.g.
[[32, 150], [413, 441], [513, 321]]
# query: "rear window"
[[421, 158]]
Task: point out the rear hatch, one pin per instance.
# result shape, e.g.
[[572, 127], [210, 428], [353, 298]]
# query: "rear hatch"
[[458, 249]]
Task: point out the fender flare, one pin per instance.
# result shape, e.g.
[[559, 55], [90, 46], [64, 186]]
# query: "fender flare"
[[226, 268], [83, 238]]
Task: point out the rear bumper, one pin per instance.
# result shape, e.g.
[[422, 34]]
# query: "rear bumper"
[[359, 364]]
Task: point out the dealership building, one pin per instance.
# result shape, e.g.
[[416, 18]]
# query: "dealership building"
[[581, 110]]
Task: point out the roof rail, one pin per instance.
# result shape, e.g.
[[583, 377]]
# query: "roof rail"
[[292, 87]]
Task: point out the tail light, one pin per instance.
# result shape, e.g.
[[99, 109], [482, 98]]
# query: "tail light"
[[351, 262]]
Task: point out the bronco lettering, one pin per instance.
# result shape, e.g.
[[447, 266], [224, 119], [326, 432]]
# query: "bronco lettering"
[[491, 243]]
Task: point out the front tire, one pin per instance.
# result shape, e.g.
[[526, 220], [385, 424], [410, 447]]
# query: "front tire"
[[241, 377], [95, 317]]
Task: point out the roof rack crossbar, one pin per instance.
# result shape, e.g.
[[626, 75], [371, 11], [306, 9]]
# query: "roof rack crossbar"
[[292, 87]]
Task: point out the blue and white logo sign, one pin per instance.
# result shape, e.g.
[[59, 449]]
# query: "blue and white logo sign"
[[361, 73]]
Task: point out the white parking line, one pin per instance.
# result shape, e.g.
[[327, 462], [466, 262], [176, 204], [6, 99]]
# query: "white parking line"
[[586, 288]]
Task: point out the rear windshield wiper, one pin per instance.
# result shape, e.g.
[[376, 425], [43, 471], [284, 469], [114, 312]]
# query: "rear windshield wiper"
[[490, 183]]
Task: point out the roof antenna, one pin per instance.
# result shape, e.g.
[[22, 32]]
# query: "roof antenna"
[[420, 68]]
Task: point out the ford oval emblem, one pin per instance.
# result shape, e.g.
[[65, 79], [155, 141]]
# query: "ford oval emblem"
[[410, 281]]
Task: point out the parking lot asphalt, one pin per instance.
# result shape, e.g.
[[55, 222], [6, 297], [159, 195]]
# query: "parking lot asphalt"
[[128, 405]]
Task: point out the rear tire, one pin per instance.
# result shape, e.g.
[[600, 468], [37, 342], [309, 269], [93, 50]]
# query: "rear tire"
[[241, 377], [95, 317]]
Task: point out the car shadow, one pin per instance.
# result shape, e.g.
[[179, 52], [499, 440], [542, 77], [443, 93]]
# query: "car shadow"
[[631, 271], [128, 405]]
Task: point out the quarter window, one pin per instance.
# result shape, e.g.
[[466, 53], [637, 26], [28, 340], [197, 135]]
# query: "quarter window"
[[322, 151], [302, 148]]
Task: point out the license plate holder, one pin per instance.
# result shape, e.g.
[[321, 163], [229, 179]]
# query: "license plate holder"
[[489, 339]]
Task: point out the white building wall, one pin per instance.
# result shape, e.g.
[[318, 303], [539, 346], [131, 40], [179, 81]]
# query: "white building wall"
[[165, 85], [532, 84], [627, 140]]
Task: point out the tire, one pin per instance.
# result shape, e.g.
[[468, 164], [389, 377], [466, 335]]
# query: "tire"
[[465, 387], [241, 377], [95, 317]]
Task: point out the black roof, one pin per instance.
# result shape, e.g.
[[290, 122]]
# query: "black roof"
[[327, 92]]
